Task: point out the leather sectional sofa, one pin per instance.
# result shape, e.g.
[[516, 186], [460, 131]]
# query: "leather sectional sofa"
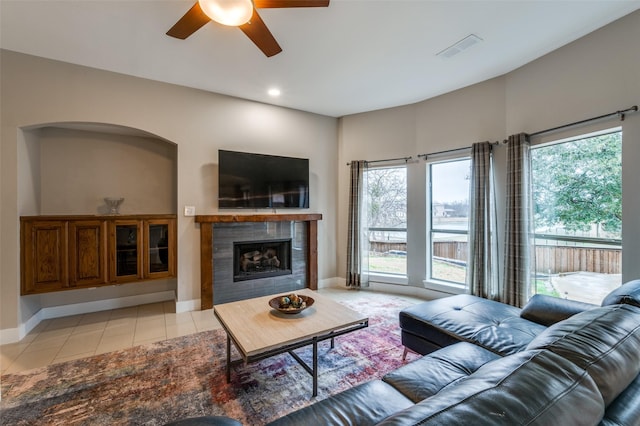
[[554, 362]]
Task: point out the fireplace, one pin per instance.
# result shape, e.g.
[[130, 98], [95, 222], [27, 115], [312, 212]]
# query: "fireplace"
[[218, 233], [260, 259]]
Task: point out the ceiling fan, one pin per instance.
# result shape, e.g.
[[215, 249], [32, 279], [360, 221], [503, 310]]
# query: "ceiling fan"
[[241, 14]]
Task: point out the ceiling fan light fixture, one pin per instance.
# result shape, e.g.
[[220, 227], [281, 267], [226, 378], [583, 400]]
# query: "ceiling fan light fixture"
[[228, 12]]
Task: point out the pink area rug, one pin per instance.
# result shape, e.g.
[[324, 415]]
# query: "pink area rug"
[[185, 377]]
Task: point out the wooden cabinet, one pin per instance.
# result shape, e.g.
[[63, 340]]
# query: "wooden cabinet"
[[87, 253], [159, 248], [125, 250], [44, 256], [66, 252]]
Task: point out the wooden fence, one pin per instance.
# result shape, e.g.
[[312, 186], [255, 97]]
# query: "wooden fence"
[[549, 259], [557, 259], [386, 246]]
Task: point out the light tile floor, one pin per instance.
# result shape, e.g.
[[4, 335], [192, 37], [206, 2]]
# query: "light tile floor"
[[67, 338]]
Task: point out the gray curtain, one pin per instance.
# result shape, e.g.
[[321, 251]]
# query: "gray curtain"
[[482, 269], [519, 253], [357, 232]]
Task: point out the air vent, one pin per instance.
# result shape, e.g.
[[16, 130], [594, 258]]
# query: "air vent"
[[458, 47]]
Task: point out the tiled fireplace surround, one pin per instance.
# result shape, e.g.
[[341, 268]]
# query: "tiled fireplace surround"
[[218, 233]]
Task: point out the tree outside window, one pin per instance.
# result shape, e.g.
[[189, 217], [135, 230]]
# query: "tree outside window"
[[387, 220], [577, 191]]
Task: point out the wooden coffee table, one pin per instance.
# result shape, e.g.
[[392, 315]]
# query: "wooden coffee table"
[[258, 331]]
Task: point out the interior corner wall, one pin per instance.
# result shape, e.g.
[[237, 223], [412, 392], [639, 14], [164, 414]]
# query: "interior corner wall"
[[29, 193], [450, 121], [594, 75], [38, 91], [29, 178]]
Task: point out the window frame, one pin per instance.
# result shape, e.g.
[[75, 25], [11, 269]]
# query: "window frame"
[[430, 282], [387, 277], [568, 137]]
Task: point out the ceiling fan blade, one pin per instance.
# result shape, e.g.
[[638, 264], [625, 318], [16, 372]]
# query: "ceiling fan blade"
[[189, 23], [289, 3], [260, 35]]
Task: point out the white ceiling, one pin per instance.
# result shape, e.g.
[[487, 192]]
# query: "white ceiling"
[[354, 56]]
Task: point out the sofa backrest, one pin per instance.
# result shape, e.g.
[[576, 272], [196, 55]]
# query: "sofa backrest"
[[533, 388], [604, 342], [628, 293]]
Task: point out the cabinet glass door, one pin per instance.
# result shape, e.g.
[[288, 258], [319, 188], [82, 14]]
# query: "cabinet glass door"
[[158, 241], [127, 246]]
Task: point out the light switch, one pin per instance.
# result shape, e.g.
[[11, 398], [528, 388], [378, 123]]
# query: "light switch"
[[189, 210]]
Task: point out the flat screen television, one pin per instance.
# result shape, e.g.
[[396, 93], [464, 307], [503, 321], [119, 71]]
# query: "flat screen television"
[[247, 180]]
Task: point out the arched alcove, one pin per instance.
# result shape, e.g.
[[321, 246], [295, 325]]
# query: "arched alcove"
[[68, 169]]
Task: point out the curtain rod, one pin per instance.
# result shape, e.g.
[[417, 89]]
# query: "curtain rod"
[[448, 151], [618, 113], [382, 161]]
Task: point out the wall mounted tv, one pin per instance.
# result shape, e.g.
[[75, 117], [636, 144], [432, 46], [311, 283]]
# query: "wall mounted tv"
[[247, 180]]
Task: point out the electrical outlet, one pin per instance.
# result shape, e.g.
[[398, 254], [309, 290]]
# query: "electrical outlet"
[[189, 210]]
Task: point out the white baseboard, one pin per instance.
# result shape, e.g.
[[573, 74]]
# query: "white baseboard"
[[404, 290], [188, 306], [392, 288], [13, 335], [9, 335], [107, 304], [335, 282]]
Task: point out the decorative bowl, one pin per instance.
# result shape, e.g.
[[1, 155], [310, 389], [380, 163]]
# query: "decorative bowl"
[[275, 303]]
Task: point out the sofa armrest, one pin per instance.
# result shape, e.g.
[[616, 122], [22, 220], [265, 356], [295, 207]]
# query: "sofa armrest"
[[548, 310]]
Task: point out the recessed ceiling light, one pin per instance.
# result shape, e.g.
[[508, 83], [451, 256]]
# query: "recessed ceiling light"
[[274, 92]]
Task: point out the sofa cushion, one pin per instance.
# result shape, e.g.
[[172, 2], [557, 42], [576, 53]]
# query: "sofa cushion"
[[625, 409], [426, 376], [603, 341], [362, 405], [532, 387], [493, 325], [548, 310], [628, 293]]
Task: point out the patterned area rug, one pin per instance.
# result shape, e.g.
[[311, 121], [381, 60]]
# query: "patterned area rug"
[[185, 377]]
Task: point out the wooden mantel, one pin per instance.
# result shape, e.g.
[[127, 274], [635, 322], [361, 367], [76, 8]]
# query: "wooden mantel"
[[230, 218], [206, 246]]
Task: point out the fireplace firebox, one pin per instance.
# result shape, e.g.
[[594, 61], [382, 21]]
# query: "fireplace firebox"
[[260, 259]]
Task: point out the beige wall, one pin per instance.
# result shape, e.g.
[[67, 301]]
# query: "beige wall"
[[595, 75], [79, 168], [39, 92]]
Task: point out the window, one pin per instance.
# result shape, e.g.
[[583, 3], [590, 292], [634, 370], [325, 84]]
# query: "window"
[[449, 220], [387, 220], [577, 191]]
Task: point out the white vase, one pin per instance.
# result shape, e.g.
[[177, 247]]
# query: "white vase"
[[113, 204]]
